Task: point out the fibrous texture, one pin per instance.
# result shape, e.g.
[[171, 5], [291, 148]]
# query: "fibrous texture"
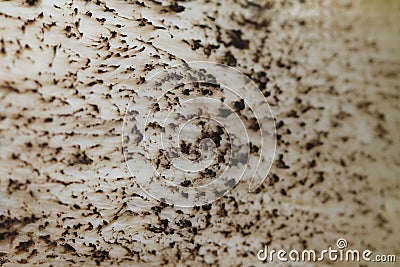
[[68, 69]]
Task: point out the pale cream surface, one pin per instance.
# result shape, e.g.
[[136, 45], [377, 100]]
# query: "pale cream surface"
[[332, 80]]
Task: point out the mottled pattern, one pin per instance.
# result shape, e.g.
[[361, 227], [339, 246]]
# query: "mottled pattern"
[[68, 69]]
